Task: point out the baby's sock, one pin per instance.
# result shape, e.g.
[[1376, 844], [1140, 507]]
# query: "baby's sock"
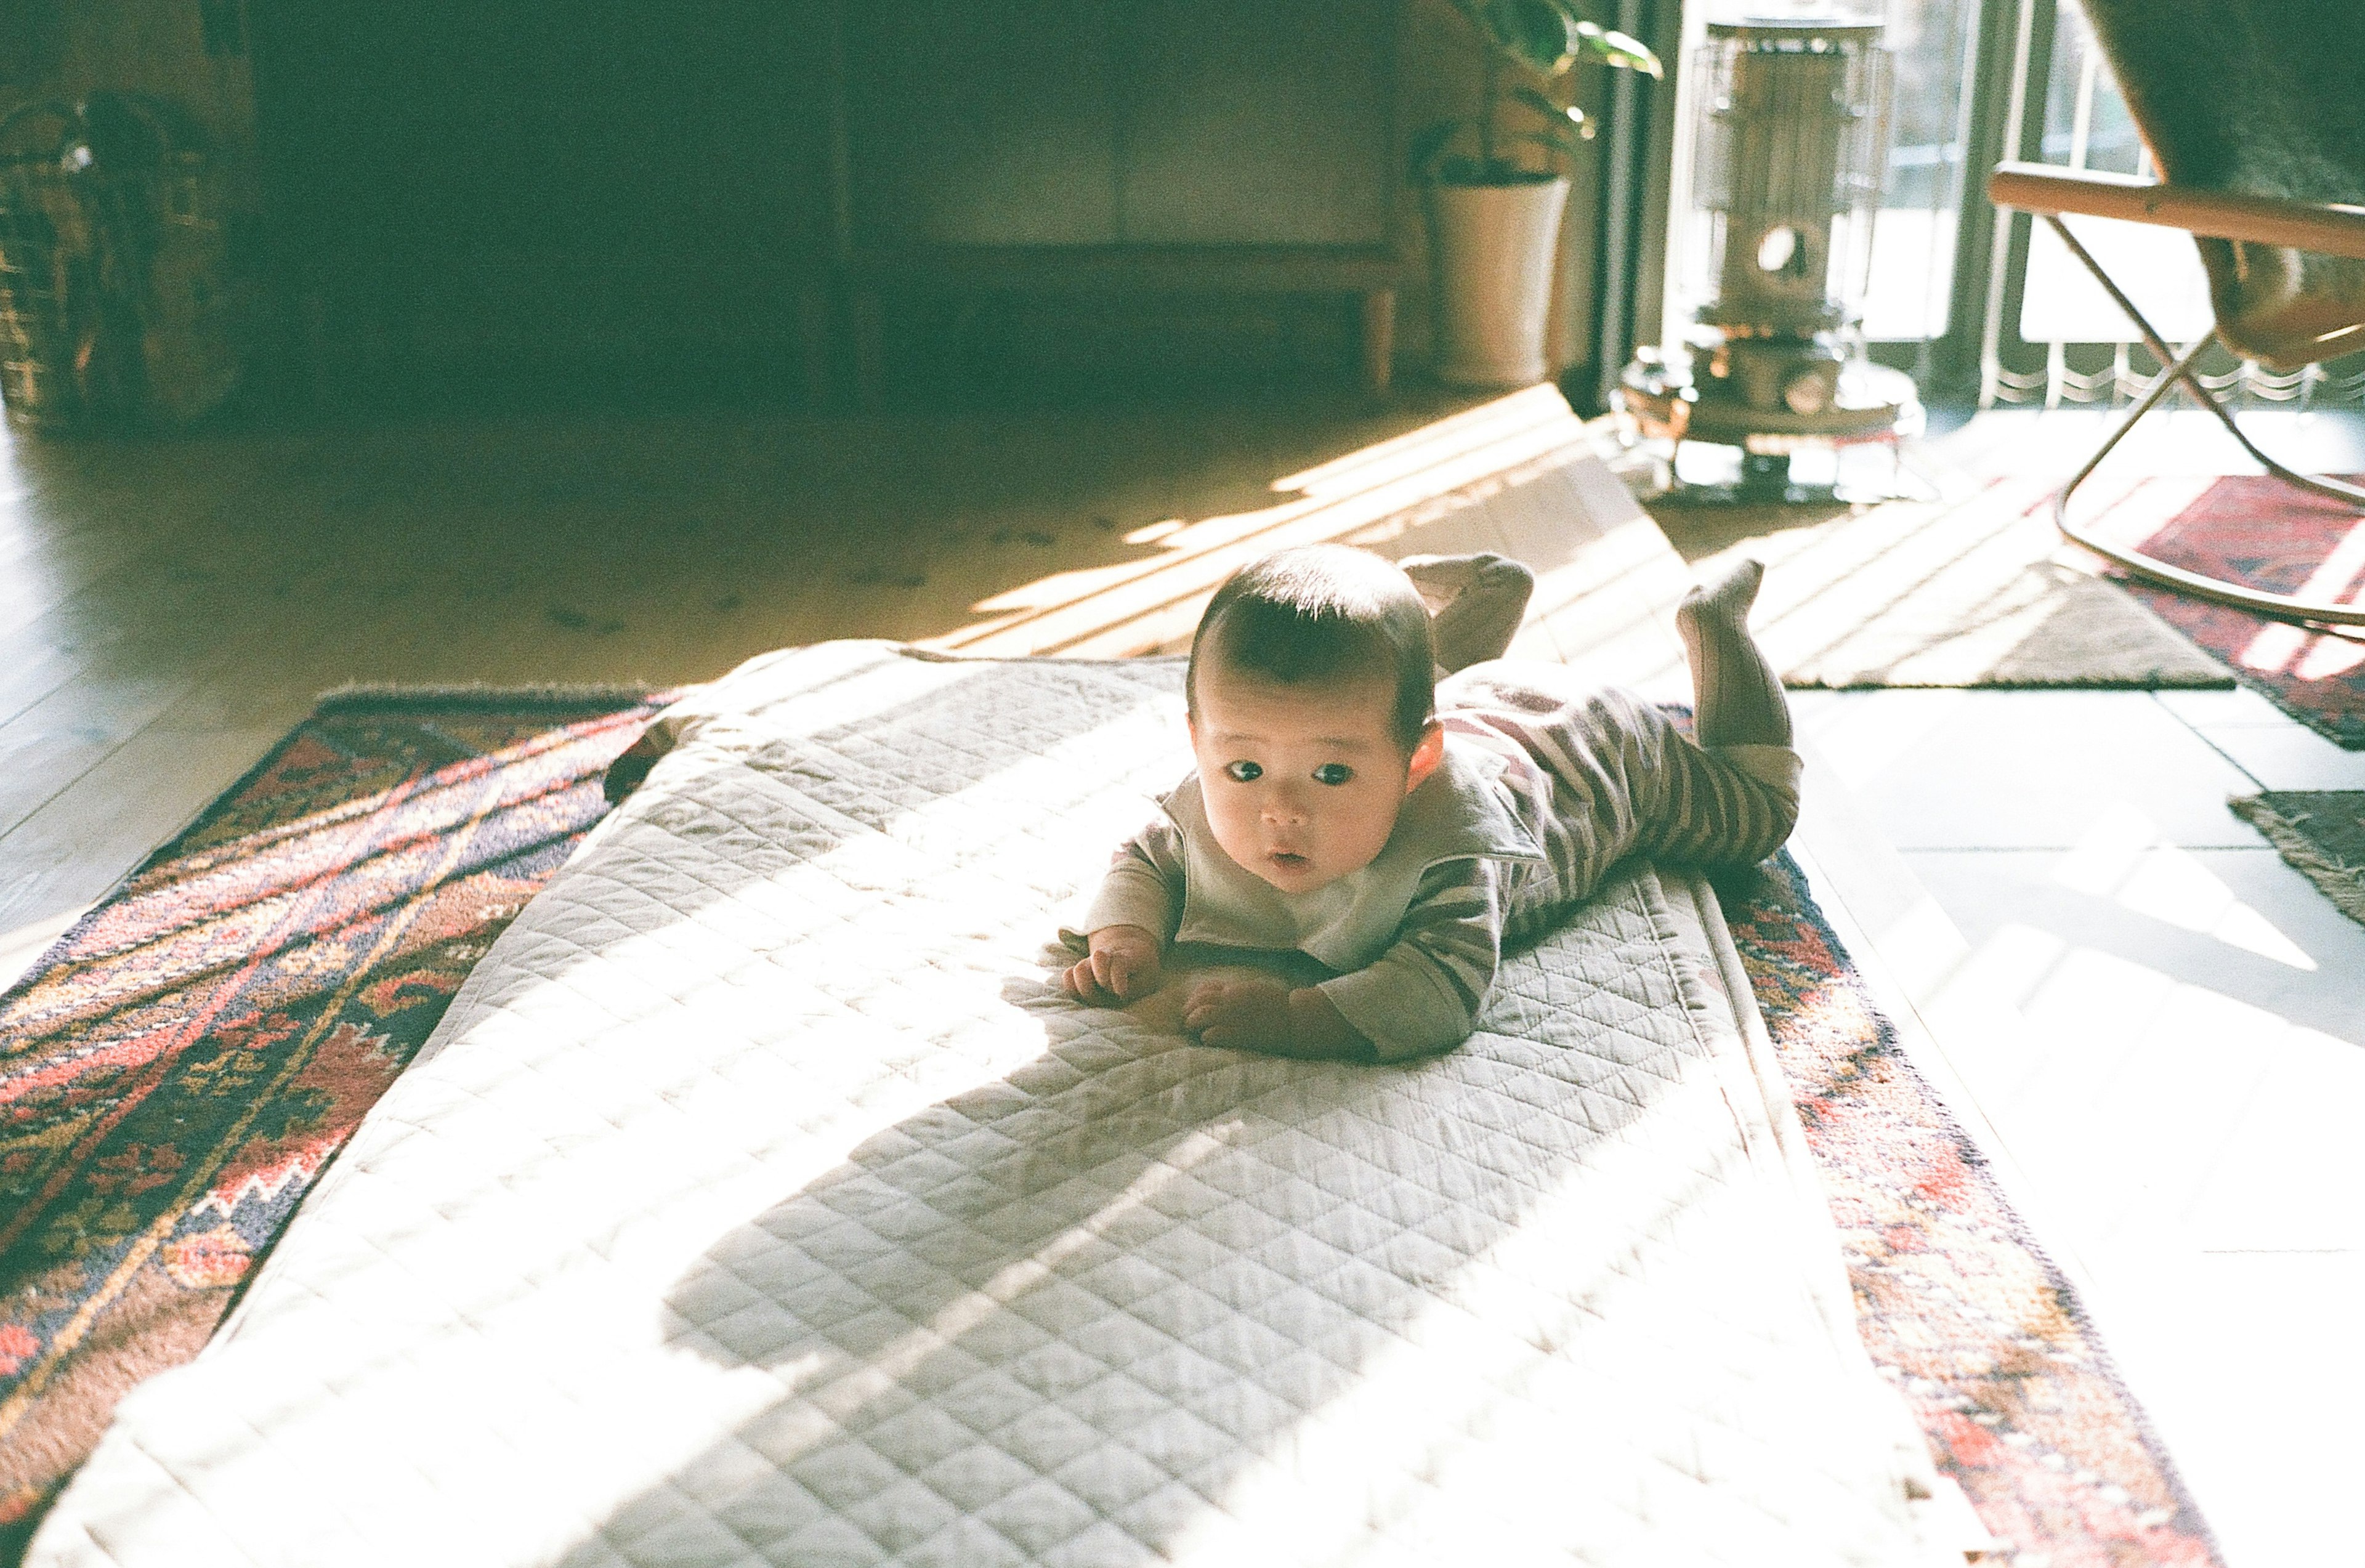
[[1738, 698], [1475, 604]]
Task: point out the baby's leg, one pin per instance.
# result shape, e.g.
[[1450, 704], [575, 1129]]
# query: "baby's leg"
[[1626, 780], [1727, 805], [1475, 604], [1737, 697]]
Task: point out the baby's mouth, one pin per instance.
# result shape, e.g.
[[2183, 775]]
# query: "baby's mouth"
[[1289, 859]]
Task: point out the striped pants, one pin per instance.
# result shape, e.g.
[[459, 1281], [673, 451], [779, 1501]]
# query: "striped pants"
[[1601, 775]]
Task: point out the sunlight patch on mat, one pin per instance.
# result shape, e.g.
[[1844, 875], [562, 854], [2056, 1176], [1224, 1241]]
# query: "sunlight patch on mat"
[[1611, 1262], [1409, 453]]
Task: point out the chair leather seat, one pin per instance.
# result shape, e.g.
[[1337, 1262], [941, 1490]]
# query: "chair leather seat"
[[2285, 307], [2258, 97]]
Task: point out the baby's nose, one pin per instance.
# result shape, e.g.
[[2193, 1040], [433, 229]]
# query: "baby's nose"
[[1283, 806]]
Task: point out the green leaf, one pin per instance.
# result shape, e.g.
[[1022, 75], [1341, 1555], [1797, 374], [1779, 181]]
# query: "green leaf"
[[1616, 48], [1421, 152], [1539, 34]]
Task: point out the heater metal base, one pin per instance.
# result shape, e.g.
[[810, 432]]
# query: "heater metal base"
[[1874, 404], [1764, 482]]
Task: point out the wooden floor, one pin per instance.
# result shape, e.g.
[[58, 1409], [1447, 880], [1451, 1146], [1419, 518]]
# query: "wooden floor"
[[173, 607], [2156, 1029]]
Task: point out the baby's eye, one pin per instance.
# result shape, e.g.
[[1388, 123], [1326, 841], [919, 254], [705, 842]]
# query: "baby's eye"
[[1243, 772], [1333, 773]]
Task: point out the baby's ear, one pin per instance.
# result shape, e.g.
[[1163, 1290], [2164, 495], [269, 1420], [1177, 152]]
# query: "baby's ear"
[[1426, 753]]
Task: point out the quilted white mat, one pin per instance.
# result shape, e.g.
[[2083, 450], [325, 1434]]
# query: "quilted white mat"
[[760, 1201]]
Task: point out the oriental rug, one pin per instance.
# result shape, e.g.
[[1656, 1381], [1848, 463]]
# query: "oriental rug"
[[1959, 1304], [178, 1070], [2257, 530]]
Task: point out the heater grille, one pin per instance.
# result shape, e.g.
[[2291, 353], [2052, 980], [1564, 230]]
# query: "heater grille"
[[1790, 140], [1792, 133]]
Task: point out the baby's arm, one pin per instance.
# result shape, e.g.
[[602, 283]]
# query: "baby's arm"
[[1132, 917], [1420, 995]]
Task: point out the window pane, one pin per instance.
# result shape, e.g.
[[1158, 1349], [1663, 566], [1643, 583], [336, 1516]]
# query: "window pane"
[[1913, 240], [2087, 126]]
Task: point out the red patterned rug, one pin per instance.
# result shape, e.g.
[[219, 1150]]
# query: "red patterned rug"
[[2258, 530], [176, 1073], [1959, 1307], [179, 1068]]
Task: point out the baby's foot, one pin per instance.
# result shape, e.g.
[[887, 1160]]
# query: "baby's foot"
[[1738, 698], [1475, 603]]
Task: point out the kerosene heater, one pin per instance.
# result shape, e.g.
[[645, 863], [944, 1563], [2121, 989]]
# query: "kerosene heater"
[[1791, 139]]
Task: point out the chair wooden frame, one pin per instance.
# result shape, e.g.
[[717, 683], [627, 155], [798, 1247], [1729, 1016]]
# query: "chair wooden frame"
[[2336, 231]]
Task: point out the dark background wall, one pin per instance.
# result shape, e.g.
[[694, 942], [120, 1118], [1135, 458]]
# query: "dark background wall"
[[602, 185], [440, 190], [1188, 122]]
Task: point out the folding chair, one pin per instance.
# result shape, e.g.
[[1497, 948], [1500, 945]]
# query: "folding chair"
[[2253, 115]]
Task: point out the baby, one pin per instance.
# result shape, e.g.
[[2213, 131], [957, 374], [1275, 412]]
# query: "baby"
[[1398, 828]]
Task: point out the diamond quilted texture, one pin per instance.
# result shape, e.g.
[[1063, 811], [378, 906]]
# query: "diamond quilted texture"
[[760, 1200]]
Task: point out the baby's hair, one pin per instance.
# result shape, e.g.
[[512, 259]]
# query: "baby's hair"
[[1320, 613]]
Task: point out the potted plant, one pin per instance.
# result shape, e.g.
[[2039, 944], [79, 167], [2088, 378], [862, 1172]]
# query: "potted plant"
[[1495, 189]]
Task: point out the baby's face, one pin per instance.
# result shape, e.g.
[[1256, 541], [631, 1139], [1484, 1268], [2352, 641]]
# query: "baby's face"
[[1302, 783]]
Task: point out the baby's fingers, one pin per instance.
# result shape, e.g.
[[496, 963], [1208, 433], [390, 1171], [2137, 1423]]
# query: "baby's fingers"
[[1114, 971], [1207, 1009], [1083, 985]]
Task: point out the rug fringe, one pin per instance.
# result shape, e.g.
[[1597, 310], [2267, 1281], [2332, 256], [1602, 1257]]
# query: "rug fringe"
[[2342, 883], [2167, 682], [490, 697]]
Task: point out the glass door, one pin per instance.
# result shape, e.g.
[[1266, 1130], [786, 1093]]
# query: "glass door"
[[2050, 336], [1987, 308], [1909, 301]]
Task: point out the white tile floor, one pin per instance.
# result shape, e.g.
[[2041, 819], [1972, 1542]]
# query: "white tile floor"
[[2161, 1028]]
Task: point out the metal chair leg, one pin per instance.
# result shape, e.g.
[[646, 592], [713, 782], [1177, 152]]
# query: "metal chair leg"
[[2179, 370]]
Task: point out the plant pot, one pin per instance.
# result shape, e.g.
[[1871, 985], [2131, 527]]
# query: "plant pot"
[[1491, 249]]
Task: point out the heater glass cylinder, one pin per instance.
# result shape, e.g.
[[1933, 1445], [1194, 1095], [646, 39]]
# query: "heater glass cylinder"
[[1790, 141]]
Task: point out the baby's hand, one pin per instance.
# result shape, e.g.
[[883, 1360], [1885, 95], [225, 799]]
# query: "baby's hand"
[[1259, 1014], [1271, 1018], [1123, 966], [1242, 1015]]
